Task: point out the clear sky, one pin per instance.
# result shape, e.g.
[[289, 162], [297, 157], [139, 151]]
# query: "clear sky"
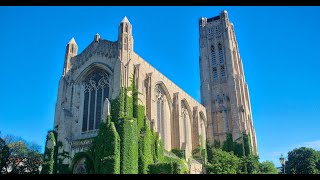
[[279, 47]]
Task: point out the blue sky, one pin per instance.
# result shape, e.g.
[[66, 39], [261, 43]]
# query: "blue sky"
[[279, 47]]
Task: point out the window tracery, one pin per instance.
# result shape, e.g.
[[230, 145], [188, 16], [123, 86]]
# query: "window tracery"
[[96, 91]]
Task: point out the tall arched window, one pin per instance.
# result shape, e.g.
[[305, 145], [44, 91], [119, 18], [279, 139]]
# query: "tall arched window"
[[160, 111], [184, 112], [163, 119], [213, 56], [215, 73], [221, 60], [222, 71], [96, 91]]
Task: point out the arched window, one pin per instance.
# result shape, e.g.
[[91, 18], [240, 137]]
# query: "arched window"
[[71, 50], [222, 71], [96, 91], [221, 60], [160, 110], [163, 121], [213, 55], [215, 73], [185, 120], [126, 28]]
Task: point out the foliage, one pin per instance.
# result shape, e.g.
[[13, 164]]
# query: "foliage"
[[180, 153], [117, 107], [105, 149], [159, 150], [89, 166], [49, 154], [128, 146], [4, 154], [222, 162], [247, 144], [203, 151], [140, 117], [19, 156], [237, 148], [145, 149], [209, 151], [125, 143], [267, 167], [164, 168], [302, 161], [183, 168], [228, 144], [59, 157], [216, 144], [252, 164]]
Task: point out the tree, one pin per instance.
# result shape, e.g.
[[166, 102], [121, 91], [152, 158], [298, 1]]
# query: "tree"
[[222, 162], [4, 154], [267, 167], [23, 158], [302, 161], [252, 163]]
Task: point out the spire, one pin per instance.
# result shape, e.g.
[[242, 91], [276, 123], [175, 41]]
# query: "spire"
[[125, 19], [72, 41], [96, 37]]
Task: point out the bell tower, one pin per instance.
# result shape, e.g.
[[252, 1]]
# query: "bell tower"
[[125, 40], [224, 91], [71, 51]]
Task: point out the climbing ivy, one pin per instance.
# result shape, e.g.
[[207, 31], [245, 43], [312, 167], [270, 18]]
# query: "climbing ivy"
[[164, 168], [145, 149], [106, 149], [49, 154], [230, 146], [128, 146], [125, 143], [88, 163], [179, 152]]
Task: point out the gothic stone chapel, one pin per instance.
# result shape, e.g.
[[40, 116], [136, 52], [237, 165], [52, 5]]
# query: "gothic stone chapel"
[[117, 114]]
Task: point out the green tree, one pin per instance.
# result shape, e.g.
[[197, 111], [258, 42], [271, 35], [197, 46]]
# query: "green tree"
[[267, 167], [252, 163], [222, 162], [23, 158], [302, 161], [4, 154]]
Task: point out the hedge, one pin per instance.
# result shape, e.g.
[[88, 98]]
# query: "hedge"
[[164, 168]]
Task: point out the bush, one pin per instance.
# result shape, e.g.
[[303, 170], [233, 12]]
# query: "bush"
[[164, 168]]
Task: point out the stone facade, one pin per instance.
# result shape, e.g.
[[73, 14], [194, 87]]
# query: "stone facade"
[[224, 91], [96, 75]]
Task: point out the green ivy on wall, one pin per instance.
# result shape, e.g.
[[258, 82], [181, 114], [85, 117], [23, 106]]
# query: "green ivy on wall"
[[128, 145], [49, 154], [88, 163], [125, 143], [236, 147], [145, 149], [106, 149], [180, 153]]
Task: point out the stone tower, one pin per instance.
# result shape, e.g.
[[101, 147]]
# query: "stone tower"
[[224, 91]]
